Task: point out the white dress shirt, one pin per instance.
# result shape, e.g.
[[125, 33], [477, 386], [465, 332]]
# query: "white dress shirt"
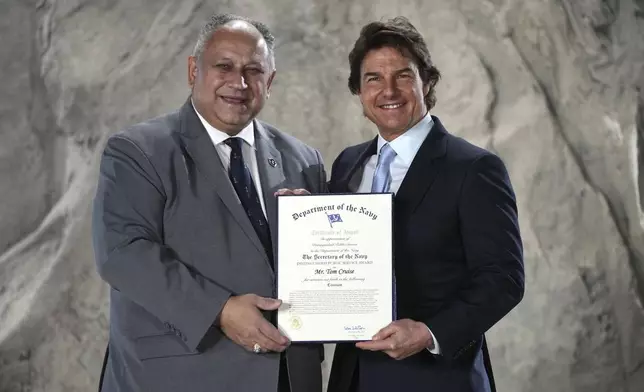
[[406, 146], [248, 151]]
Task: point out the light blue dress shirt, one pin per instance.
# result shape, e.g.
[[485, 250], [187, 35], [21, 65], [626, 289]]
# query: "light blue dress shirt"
[[406, 147]]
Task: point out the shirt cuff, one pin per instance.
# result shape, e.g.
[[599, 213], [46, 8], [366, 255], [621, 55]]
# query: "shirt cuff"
[[436, 350]]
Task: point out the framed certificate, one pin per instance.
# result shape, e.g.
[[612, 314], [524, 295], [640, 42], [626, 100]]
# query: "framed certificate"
[[335, 266]]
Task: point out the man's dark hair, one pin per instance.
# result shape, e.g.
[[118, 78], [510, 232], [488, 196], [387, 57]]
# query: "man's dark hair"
[[218, 20], [400, 34]]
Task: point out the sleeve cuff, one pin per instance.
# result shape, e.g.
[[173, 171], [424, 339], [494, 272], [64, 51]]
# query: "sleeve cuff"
[[436, 349]]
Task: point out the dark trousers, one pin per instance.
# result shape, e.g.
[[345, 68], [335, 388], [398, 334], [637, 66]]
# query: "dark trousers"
[[355, 379], [283, 383]]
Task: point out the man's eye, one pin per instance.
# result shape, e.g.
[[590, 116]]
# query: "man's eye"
[[372, 78], [254, 71], [224, 67], [404, 76]]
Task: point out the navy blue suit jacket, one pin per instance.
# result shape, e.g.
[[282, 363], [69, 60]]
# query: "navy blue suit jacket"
[[458, 262]]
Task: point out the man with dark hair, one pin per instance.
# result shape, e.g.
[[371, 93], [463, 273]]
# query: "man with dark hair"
[[458, 250], [184, 223]]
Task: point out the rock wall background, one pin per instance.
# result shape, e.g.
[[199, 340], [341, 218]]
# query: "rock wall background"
[[556, 87]]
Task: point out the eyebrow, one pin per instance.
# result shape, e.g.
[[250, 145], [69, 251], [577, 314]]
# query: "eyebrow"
[[407, 69], [397, 72], [368, 74], [251, 63], [223, 59]]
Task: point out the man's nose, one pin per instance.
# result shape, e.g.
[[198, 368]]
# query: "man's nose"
[[391, 88], [238, 81]]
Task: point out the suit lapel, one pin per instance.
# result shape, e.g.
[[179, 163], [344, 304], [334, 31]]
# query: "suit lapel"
[[202, 151], [423, 170], [353, 177], [271, 173]]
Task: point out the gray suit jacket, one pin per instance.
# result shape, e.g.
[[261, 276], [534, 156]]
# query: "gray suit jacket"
[[173, 242]]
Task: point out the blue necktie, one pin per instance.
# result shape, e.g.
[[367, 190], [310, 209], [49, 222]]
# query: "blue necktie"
[[382, 176], [247, 193], [381, 183]]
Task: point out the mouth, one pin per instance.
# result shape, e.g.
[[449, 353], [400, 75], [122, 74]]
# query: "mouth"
[[234, 100], [391, 106]]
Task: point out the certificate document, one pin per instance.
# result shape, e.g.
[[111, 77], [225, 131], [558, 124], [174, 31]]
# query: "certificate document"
[[334, 266]]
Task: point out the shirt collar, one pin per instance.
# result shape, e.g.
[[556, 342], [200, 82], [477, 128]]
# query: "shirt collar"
[[407, 145], [218, 136]]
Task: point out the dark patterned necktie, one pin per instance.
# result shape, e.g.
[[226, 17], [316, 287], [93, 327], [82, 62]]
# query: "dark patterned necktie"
[[245, 187]]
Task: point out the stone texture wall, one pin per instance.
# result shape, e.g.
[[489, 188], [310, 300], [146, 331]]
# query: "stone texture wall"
[[555, 87]]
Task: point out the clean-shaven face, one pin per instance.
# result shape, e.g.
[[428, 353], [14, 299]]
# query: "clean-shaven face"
[[391, 91], [232, 79]]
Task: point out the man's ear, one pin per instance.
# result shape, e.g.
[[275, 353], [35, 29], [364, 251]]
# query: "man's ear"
[[270, 83], [426, 89], [192, 70]]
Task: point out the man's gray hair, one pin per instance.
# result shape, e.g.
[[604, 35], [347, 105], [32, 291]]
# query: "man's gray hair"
[[218, 20]]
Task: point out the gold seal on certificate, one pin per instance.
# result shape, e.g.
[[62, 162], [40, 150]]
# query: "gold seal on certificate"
[[335, 266]]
